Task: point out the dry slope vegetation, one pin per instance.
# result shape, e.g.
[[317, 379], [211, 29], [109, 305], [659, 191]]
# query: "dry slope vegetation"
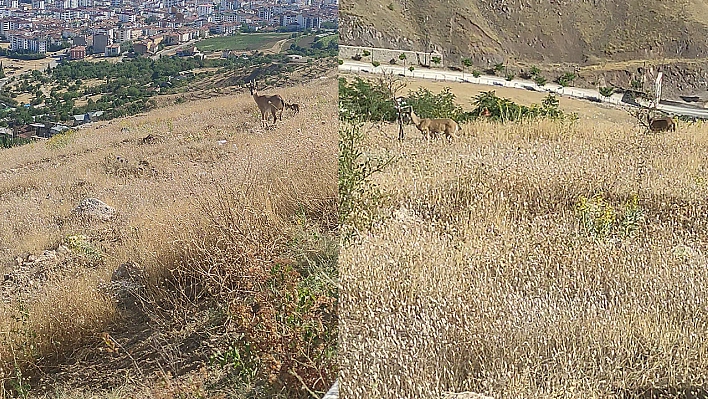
[[215, 277], [532, 260], [557, 31]]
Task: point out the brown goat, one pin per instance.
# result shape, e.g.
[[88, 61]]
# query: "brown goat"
[[430, 126], [294, 107], [267, 104]]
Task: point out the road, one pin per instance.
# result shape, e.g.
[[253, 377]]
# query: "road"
[[462, 77], [171, 50]]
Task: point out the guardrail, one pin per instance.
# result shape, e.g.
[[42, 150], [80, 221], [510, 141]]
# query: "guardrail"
[[585, 94]]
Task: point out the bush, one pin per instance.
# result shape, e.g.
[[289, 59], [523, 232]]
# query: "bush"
[[359, 199], [606, 91], [362, 100], [600, 220], [566, 79], [539, 80], [441, 105], [476, 73], [504, 110], [510, 76]]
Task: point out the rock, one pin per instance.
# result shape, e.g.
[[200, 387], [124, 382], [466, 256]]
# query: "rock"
[[128, 271], [126, 286], [94, 208]]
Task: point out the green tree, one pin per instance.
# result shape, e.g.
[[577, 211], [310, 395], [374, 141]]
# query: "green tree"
[[466, 63], [403, 58], [606, 91], [540, 80], [566, 79]]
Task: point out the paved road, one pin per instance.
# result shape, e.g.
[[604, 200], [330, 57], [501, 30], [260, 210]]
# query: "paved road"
[[454, 76]]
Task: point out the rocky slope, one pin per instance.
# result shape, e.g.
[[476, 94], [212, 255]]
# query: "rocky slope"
[[553, 34], [577, 31]]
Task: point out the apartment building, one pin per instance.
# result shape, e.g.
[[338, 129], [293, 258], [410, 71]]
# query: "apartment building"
[[100, 42], [77, 53], [123, 35], [33, 42], [9, 25], [112, 50], [126, 17]]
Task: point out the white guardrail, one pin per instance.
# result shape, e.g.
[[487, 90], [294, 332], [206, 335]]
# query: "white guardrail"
[[576, 92]]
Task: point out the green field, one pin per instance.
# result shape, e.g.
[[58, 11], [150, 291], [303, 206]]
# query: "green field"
[[241, 42]]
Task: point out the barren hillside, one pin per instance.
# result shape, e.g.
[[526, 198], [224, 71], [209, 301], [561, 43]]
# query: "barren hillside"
[[185, 288], [577, 31]]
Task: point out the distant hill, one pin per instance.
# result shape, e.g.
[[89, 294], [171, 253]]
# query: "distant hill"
[[578, 31], [521, 32]]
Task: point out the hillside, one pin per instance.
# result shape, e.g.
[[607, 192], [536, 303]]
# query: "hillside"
[[534, 259], [575, 31], [186, 288]]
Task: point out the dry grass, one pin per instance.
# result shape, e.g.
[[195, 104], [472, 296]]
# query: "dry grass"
[[204, 196], [482, 276]]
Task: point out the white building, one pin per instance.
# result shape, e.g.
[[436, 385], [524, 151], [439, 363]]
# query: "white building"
[[123, 35], [205, 9], [30, 42], [124, 17]]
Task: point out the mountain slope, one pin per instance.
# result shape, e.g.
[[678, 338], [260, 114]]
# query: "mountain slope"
[[218, 223], [576, 31]]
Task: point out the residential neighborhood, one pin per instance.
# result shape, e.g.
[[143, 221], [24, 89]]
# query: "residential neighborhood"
[[111, 27]]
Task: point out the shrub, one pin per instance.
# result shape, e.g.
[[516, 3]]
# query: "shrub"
[[510, 76], [566, 79], [476, 73], [359, 199], [606, 91], [441, 105], [539, 80], [363, 100], [375, 63], [505, 110], [600, 220]]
